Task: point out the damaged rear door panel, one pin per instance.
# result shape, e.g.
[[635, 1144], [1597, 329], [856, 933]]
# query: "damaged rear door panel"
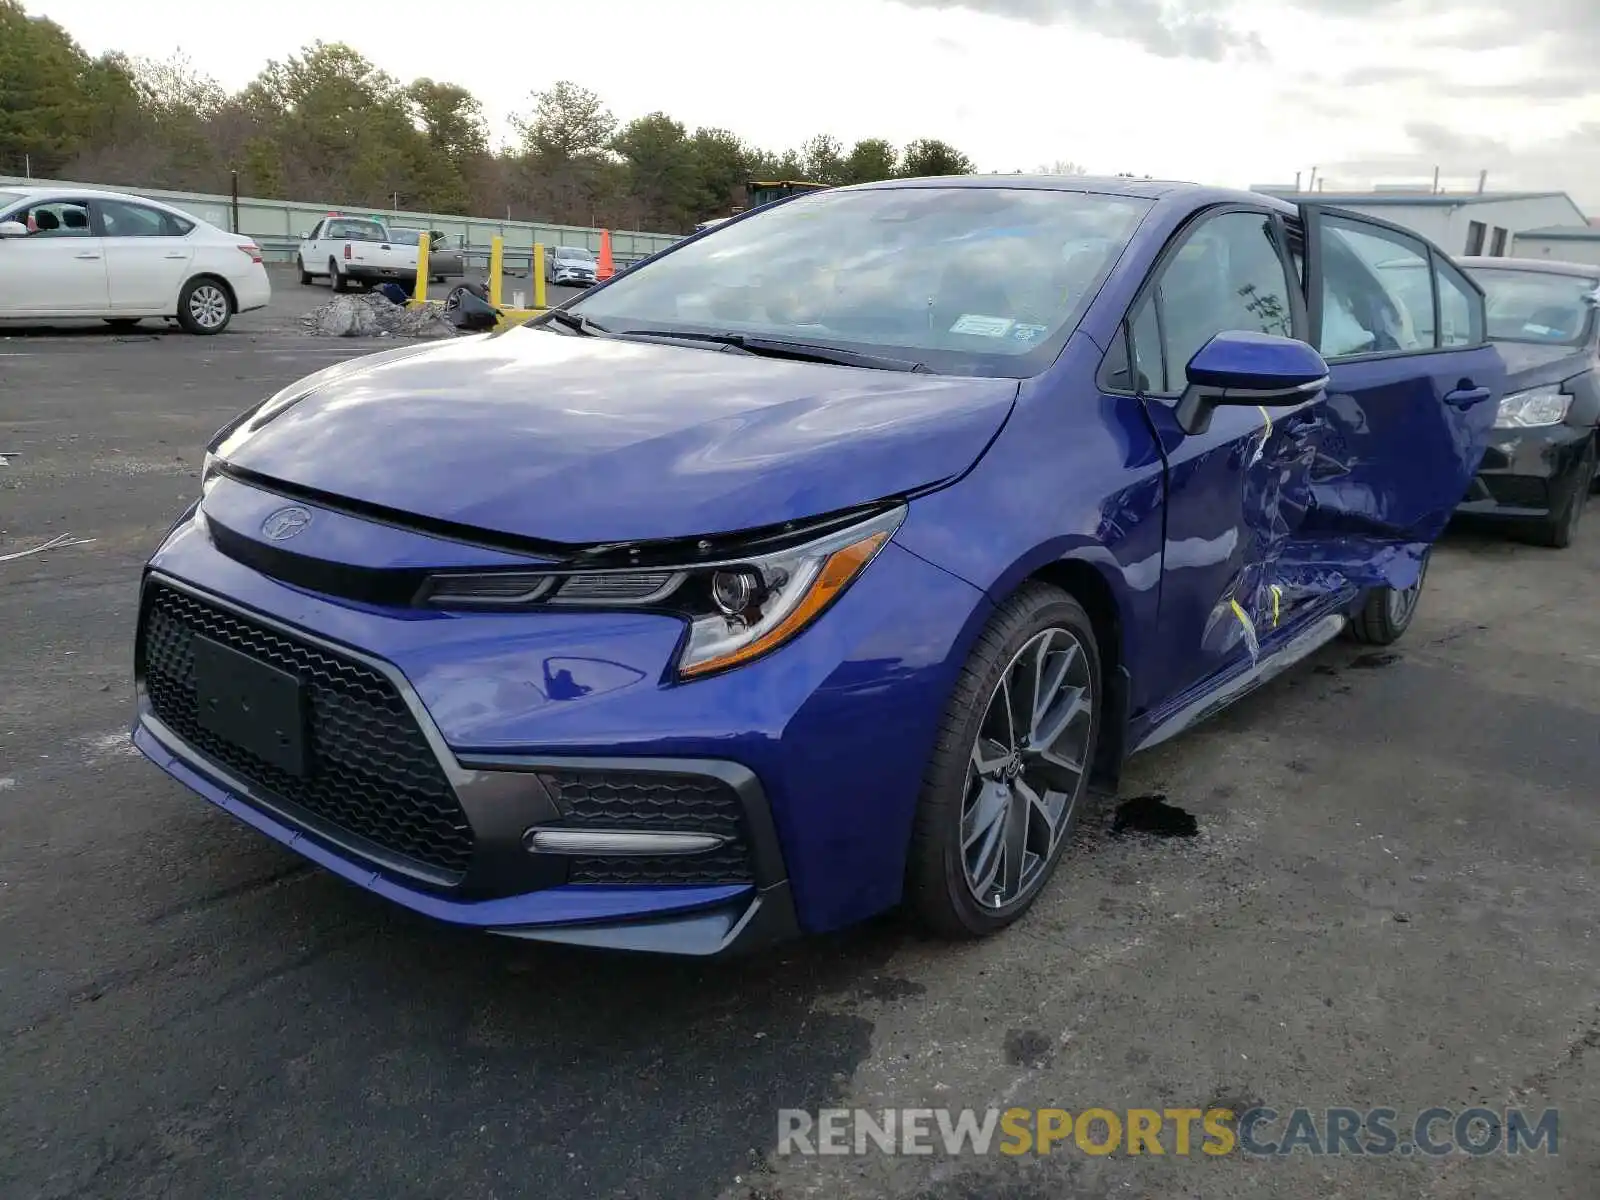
[[1412, 394]]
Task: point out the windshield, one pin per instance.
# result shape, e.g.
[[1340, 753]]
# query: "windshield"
[[1541, 307], [574, 253], [406, 237], [9, 198], [966, 280]]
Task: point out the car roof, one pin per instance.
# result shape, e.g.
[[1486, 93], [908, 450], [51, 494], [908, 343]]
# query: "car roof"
[[85, 192], [1580, 270], [1157, 190]]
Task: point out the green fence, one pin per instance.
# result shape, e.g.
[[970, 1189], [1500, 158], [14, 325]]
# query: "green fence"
[[276, 225]]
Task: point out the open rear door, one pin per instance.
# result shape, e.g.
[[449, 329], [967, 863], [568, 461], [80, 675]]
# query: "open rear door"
[[1413, 389]]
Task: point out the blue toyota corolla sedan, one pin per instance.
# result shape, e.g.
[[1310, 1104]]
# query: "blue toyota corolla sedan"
[[818, 564]]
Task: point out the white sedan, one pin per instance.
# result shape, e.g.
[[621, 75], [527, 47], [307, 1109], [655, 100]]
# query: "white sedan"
[[77, 253]]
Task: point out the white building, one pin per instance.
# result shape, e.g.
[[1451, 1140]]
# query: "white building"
[[1458, 222], [1561, 243]]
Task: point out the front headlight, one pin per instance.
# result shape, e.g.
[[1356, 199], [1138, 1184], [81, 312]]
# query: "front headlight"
[[1537, 406], [738, 609]]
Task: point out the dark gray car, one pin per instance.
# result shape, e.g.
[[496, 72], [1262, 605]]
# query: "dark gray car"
[[445, 259]]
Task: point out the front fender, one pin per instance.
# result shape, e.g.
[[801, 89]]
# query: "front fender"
[[1074, 475]]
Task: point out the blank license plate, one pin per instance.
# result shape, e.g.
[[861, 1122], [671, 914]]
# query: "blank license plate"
[[252, 704]]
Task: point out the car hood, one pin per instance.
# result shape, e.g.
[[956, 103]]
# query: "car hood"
[[578, 440], [1528, 365]]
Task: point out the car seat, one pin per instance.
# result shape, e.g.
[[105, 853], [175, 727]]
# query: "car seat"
[[47, 221], [75, 218]]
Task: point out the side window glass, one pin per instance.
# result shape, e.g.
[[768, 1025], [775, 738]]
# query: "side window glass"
[[1226, 276], [1144, 340], [1138, 341], [133, 220], [1461, 315], [1377, 291], [56, 218]]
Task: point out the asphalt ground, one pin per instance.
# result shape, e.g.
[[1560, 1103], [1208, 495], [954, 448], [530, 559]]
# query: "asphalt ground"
[[1389, 901]]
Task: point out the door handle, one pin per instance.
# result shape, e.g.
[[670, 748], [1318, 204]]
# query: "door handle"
[[1467, 397], [177, 254], [87, 254]]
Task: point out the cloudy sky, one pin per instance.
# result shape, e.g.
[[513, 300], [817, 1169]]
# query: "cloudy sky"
[[1224, 91]]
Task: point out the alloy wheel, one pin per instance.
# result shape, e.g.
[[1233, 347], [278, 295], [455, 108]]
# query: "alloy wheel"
[[1027, 767], [208, 306]]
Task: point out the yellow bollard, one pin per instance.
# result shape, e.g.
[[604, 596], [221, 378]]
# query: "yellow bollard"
[[538, 275], [497, 251], [419, 292]]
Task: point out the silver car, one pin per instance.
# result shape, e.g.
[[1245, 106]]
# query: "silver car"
[[571, 266]]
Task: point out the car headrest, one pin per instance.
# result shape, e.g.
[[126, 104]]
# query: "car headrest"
[[47, 220]]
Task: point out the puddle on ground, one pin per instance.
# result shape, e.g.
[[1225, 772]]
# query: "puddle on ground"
[[1152, 814]]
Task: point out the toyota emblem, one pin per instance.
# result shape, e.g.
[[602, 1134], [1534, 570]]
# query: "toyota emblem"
[[285, 523]]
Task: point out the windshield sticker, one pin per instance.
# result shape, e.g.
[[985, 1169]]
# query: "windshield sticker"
[[1029, 333], [1541, 330], [979, 326]]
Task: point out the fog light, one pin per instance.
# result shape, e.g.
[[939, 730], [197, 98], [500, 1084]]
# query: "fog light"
[[621, 843], [736, 592]]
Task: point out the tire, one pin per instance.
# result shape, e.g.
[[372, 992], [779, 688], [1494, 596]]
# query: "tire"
[[122, 322], [205, 306], [945, 877], [1561, 526], [339, 282], [1386, 614], [305, 275]]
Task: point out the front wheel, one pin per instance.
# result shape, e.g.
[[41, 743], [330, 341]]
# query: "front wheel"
[[1387, 612], [1561, 526], [1010, 768], [204, 306]]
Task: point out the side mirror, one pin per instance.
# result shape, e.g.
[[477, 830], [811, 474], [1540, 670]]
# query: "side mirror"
[[13, 229], [1242, 368], [304, 236]]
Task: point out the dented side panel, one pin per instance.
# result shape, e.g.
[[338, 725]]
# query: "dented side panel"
[[1274, 513], [1405, 436], [1237, 499]]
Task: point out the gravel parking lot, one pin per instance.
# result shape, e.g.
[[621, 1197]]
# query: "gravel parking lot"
[[1390, 901]]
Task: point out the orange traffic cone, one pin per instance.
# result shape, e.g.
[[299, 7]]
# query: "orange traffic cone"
[[606, 268]]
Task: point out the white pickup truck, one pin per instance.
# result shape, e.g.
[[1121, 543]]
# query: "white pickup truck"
[[355, 250]]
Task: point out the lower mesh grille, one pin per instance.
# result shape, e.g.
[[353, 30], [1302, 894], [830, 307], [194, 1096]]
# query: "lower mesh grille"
[[373, 773], [649, 801], [1518, 491]]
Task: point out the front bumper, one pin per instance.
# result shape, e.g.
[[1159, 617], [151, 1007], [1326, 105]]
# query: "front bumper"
[[574, 278], [1527, 473], [822, 744]]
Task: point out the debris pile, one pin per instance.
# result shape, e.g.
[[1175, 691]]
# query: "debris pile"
[[372, 314]]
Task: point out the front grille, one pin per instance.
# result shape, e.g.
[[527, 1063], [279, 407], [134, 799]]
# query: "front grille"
[[646, 801], [372, 772]]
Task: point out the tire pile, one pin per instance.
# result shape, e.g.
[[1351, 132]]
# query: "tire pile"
[[372, 314]]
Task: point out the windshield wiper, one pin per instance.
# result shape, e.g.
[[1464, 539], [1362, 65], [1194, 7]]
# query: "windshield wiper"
[[576, 322], [778, 348]]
